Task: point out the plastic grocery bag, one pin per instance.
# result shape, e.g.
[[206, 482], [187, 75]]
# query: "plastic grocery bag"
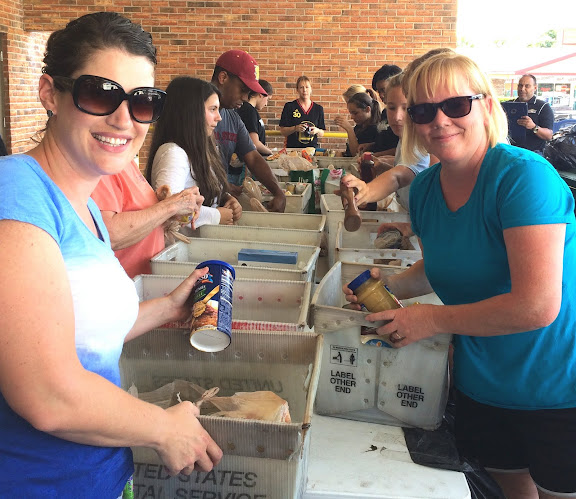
[[437, 449], [561, 150], [259, 405]]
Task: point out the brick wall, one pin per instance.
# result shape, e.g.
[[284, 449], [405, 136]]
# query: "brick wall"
[[334, 43], [22, 55]]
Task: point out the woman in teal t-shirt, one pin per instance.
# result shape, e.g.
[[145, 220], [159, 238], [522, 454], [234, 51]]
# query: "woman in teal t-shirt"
[[496, 225]]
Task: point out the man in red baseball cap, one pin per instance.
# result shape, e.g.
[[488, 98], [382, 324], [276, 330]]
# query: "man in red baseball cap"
[[236, 74], [243, 65]]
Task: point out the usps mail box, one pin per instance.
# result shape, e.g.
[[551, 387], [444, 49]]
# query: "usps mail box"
[[181, 258], [260, 234], [331, 207], [359, 247], [401, 387], [257, 304], [261, 458]]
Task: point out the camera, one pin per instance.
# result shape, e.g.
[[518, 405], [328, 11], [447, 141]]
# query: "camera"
[[308, 130]]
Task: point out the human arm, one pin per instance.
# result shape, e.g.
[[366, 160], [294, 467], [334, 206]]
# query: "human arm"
[[41, 376], [226, 216], [407, 284], [545, 123], [343, 123], [381, 186], [319, 127], [317, 131], [128, 227], [261, 170], [286, 125], [383, 163], [171, 167], [387, 152], [234, 206], [535, 258], [289, 130], [368, 146], [175, 306], [261, 148]]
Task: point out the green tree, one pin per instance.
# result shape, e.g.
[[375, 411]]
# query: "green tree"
[[546, 40], [465, 42]]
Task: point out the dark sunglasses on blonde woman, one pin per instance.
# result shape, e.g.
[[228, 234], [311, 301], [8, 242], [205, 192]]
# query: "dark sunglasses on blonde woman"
[[100, 97], [455, 107]]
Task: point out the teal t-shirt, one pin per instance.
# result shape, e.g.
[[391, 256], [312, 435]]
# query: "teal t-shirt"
[[466, 261]]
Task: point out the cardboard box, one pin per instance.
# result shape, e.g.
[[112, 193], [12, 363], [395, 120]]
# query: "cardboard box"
[[299, 221], [331, 207], [257, 304], [261, 459], [346, 164], [295, 203], [260, 234], [181, 259], [358, 247], [376, 384]]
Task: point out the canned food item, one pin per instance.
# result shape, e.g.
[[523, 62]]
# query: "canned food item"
[[211, 328]]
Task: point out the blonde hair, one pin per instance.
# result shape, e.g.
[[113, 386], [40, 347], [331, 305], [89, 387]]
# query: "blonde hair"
[[352, 90], [395, 81], [412, 65], [448, 70]]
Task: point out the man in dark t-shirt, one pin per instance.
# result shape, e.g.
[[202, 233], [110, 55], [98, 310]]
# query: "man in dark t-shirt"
[[250, 115], [386, 140], [540, 120]]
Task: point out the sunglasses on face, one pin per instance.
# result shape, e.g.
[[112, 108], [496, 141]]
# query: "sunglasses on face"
[[455, 107], [101, 97]]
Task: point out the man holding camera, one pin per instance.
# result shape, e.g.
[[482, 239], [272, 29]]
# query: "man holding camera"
[[302, 120]]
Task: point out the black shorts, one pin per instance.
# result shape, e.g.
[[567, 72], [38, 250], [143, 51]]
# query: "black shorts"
[[541, 442]]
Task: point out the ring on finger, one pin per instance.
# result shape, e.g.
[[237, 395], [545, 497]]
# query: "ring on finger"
[[395, 337]]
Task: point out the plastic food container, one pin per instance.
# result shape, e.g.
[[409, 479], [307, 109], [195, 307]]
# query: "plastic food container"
[[211, 329], [373, 294]]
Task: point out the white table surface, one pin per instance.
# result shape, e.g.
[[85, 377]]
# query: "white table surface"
[[341, 465]]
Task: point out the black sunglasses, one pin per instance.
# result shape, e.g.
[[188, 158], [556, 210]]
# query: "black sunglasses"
[[100, 97], [455, 107]]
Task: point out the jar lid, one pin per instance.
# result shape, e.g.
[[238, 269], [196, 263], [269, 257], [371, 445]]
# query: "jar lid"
[[207, 263], [358, 281]]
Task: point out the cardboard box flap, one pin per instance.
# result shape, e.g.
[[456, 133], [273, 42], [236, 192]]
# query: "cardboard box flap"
[[287, 365]]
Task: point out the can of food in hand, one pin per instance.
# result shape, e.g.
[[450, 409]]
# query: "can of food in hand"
[[211, 328]]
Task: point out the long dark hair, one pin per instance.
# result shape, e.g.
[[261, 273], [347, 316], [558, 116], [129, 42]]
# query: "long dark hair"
[[362, 100], [183, 122], [68, 49]]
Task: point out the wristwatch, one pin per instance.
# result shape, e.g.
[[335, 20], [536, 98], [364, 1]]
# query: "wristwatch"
[[535, 129]]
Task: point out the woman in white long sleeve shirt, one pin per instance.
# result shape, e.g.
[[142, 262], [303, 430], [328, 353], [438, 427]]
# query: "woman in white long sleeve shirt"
[[183, 152]]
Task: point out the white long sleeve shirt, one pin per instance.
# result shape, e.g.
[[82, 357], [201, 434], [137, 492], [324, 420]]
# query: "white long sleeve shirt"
[[171, 167]]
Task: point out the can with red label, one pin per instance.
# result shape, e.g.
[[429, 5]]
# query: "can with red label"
[[211, 328]]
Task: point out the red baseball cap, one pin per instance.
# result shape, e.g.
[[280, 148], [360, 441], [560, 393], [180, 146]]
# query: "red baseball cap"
[[244, 66]]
